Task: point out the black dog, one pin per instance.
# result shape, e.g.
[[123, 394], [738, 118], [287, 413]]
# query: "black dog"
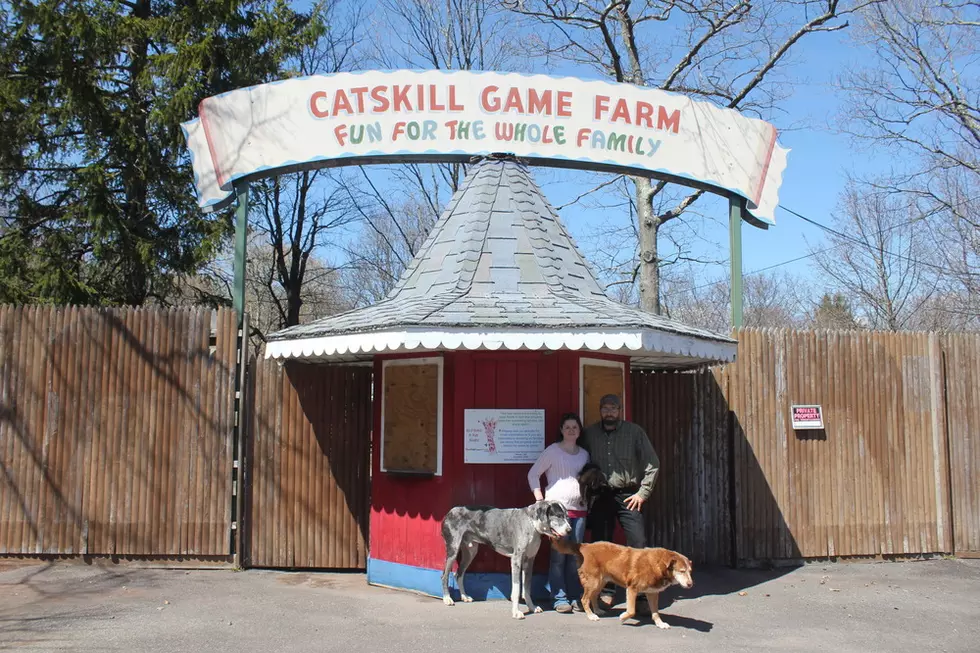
[[591, 483]]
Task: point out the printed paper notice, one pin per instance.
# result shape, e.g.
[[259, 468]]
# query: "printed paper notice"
[[503, 436]]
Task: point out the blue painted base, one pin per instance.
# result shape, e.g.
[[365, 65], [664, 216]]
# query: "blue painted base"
[[481, 586]]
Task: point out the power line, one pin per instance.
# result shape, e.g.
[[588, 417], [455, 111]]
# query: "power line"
[[826, 249], [769, 267], [840, 234]]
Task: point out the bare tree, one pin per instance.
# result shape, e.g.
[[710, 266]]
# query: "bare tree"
[[919, 91], [295, 212], [880, 258], [293, 218], [917, 98], [704, 305], [955, 229], [771, 299], [446, 34], [774, 299], [399, 204], [730, 53], [382, 249], [441, 35], [265, 300], [612, 245]]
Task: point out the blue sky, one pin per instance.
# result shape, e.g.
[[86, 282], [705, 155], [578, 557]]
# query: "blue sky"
[[820, 159]]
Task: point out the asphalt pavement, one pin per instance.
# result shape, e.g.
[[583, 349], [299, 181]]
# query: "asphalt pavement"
[[907, 607]]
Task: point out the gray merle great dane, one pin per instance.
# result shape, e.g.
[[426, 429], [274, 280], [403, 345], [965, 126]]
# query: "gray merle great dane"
[[513, 532]]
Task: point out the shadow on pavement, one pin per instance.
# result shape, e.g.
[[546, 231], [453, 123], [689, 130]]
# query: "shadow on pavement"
[[720, 581]]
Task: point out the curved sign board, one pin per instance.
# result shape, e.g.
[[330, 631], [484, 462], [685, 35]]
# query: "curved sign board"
[[397, 116]]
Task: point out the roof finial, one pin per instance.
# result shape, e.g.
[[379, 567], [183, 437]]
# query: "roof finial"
[[499, 156]]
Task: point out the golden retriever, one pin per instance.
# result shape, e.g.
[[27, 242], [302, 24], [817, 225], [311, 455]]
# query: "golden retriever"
[[650, 571]]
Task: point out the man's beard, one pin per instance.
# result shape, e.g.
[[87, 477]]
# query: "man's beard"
[[609, 423]]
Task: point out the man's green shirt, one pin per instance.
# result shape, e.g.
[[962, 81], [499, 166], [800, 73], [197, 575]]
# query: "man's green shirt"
[[625, 455]]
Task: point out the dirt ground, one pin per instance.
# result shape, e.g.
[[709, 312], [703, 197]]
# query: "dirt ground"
[[902, 607]]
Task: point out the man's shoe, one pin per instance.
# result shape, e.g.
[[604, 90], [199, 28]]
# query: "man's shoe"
[[564, 608], [577, 606]]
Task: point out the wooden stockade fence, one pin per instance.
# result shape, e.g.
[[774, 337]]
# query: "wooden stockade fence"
[[894, 473], [875, 481], [308, 480], [116, 431], [116, 438], [687, 420], [962, 368]]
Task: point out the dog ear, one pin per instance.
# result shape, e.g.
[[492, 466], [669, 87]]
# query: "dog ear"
[[541, 510], [557, 510], [678, 561]]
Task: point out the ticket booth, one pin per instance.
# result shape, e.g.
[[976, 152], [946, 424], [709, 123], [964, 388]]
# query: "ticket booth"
[[496, 328]]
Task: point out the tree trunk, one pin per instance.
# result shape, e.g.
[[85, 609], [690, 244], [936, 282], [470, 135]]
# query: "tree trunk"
[[649, 227], [297, 268], [294, 302], [136, 213]]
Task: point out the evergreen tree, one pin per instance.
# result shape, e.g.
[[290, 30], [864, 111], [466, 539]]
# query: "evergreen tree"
[[834, 312], [96, 197]]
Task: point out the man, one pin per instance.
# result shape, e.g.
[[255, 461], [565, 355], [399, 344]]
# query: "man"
[[625, 455]]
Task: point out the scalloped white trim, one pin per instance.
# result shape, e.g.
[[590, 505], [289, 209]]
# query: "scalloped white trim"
[[633, 342]]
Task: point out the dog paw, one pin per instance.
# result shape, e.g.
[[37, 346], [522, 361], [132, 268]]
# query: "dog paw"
[[593, 617], [517, 614], [448, 600], [664, 625], [623, 617], [538, 609], [466, 598]]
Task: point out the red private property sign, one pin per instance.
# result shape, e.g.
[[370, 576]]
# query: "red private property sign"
[[807, 417]]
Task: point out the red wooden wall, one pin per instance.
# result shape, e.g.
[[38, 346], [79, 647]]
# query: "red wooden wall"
[[406, 512]]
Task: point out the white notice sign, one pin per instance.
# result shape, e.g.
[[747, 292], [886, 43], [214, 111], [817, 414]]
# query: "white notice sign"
[[502, 436]]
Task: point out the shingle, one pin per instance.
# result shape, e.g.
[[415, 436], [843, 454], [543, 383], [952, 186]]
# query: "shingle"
[[505, 279], [502, 251], [482, 274]]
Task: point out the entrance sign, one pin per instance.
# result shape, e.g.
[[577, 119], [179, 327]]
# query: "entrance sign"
[[807, 417], [502, 436], [400, 116]]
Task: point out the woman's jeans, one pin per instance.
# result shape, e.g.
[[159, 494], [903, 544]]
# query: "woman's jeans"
[[563, 571]]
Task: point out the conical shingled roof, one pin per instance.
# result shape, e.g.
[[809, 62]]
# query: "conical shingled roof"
[[499, 269]]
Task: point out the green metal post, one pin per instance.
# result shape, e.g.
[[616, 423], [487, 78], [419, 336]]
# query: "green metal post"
[[239, 431], [735, 208], [241, 222]]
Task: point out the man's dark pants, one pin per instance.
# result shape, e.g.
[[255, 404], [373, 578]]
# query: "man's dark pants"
[[608, 507]]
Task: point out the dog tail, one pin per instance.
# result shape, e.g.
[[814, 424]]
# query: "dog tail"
[[568, 548]]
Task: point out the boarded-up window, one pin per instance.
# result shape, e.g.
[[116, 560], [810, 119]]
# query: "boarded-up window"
[[600, 378], [411, 416]]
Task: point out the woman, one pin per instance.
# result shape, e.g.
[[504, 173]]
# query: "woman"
[[560, 463]]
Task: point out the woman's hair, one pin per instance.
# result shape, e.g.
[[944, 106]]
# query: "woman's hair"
[[566, 417]]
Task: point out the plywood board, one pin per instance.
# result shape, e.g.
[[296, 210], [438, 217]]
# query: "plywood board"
[[597, 381], [411, 418]]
